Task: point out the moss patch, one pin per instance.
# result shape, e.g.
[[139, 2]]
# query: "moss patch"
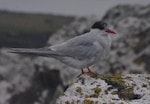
[[106, 92], [124, 91], [87, 101], [63, 94], [79, 90], [97, 91], [68, 102]]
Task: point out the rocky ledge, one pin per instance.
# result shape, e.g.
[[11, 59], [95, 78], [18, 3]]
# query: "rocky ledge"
[[108, 89]]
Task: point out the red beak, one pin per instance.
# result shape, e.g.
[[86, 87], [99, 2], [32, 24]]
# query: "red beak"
[[110, 31]]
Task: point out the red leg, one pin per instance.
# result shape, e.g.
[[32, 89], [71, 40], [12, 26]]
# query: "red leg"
[[82, 71], [89, 71]]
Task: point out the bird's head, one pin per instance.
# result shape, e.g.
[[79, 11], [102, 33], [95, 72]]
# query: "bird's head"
[[103, 26]]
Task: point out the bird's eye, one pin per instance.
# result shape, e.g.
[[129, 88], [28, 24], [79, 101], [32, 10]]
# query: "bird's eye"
[[104, 25]]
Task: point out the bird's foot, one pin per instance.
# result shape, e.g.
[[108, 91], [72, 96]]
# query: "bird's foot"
[[82, 71], [89, 71]]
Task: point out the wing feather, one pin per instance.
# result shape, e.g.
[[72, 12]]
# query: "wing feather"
[[79, 48]]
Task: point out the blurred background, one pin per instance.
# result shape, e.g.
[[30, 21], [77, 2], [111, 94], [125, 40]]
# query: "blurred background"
[[39, 23]]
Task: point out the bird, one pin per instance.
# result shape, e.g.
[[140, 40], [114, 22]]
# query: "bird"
[[79, 52]]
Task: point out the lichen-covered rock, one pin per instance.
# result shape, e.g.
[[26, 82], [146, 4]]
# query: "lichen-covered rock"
[[108, 89]]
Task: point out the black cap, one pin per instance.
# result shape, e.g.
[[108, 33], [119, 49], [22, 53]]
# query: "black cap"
[[100, 25]]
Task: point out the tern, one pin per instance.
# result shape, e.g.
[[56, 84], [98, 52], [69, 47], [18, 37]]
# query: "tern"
[[79, 52]]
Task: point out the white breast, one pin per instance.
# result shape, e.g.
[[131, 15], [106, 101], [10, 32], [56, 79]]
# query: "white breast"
[[77, 63]]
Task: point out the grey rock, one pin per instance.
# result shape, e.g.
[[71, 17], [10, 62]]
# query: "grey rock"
[[108, 89]]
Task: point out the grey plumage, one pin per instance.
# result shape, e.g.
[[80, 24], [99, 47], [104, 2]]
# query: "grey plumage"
[[79, 52]]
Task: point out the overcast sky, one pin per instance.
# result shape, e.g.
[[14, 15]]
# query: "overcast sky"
[[66, 7]]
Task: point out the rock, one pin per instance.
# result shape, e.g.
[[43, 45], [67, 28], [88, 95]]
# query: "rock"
[[24, 82], [131, 51], [43, 87], [129, 54], [108, 89]]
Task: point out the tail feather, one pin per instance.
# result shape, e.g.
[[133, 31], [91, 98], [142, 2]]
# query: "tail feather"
[[34, 52]]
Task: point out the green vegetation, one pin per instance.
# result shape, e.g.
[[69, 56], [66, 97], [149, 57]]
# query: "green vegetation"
[[63, 94], [97, 91], [124, 91], [21, 28], [87, 101], [70, 102], [79, 90]]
